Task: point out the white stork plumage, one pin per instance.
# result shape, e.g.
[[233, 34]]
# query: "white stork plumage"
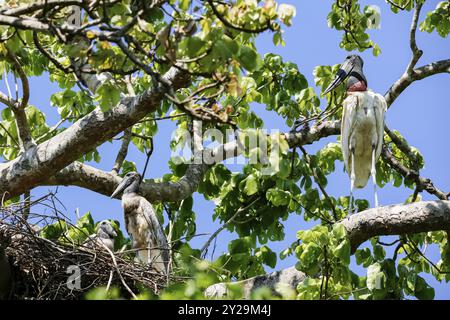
[[362, 126], [142, 224]]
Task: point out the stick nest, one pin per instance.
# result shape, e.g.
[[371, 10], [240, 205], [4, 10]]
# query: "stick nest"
[[41, 269]]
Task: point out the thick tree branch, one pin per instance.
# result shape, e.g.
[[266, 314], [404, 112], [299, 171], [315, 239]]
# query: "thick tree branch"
[[88, 177], [36, 165], [397, 219], [390, 220]]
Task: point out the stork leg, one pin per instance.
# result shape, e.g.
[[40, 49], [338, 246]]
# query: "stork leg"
[[373, 173], [352, 181]]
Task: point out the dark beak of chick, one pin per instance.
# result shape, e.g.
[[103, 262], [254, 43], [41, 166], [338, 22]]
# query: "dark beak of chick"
[[122, 186], [342, 74]]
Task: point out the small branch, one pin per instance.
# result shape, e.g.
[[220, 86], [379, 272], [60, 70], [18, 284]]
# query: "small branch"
[[417, 53], [238, 28], [422, 183], [205, 247], [122, 154], [25, 138]]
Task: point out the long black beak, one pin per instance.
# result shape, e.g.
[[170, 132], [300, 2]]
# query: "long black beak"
[[120, 187], [341, 75]]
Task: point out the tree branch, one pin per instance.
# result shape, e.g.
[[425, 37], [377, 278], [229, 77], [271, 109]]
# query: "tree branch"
[[25, 138], [417, 53], [441, 66], [421, 182], [397, 219], [34, 167], [390, 220], [123, 151]]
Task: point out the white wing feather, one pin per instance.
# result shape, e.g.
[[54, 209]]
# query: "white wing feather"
[[348, 122], [362, 125]]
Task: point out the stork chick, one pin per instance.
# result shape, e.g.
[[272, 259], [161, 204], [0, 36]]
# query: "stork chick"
[[105, 236], [362, 126], [142, 224]]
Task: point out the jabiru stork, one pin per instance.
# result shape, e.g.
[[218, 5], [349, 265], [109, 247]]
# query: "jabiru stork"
[[104, 236], [362, 125], [142, 224]]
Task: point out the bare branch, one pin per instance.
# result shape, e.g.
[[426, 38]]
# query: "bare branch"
[[25, 139], [442, 66], [123, 151], [397, 219], [412, 39]]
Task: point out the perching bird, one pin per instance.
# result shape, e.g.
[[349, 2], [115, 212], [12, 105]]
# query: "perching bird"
[[105, 236], [142, 224], [362, 126]]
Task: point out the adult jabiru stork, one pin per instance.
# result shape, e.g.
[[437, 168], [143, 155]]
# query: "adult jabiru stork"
[[142, 224], [362, 126]]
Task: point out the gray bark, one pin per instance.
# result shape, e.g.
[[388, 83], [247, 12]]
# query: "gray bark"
[[289, 277], [37, 164]]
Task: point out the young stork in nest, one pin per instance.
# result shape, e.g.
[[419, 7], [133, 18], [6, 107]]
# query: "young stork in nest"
[[142, 224]]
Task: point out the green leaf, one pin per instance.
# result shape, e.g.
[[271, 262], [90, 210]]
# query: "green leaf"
[[376, 280], [249, 58], [339, 231], [342, 251], [251, 185]]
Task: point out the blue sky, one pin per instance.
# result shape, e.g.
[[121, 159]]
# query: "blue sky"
[[421, 114]]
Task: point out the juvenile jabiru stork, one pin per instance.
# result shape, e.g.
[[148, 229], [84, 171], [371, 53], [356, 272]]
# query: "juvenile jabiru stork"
[[105, 236], [362, 126], [142, 224]]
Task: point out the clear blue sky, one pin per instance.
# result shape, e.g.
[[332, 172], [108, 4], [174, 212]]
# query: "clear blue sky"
[[421, 114]]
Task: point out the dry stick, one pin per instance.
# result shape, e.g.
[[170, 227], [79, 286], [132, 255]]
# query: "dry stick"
[[111, 273], [204, 249], [118, 271]]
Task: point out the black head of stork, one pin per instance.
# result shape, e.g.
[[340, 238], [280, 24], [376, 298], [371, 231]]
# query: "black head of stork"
[[130, 184], [351, 69]]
